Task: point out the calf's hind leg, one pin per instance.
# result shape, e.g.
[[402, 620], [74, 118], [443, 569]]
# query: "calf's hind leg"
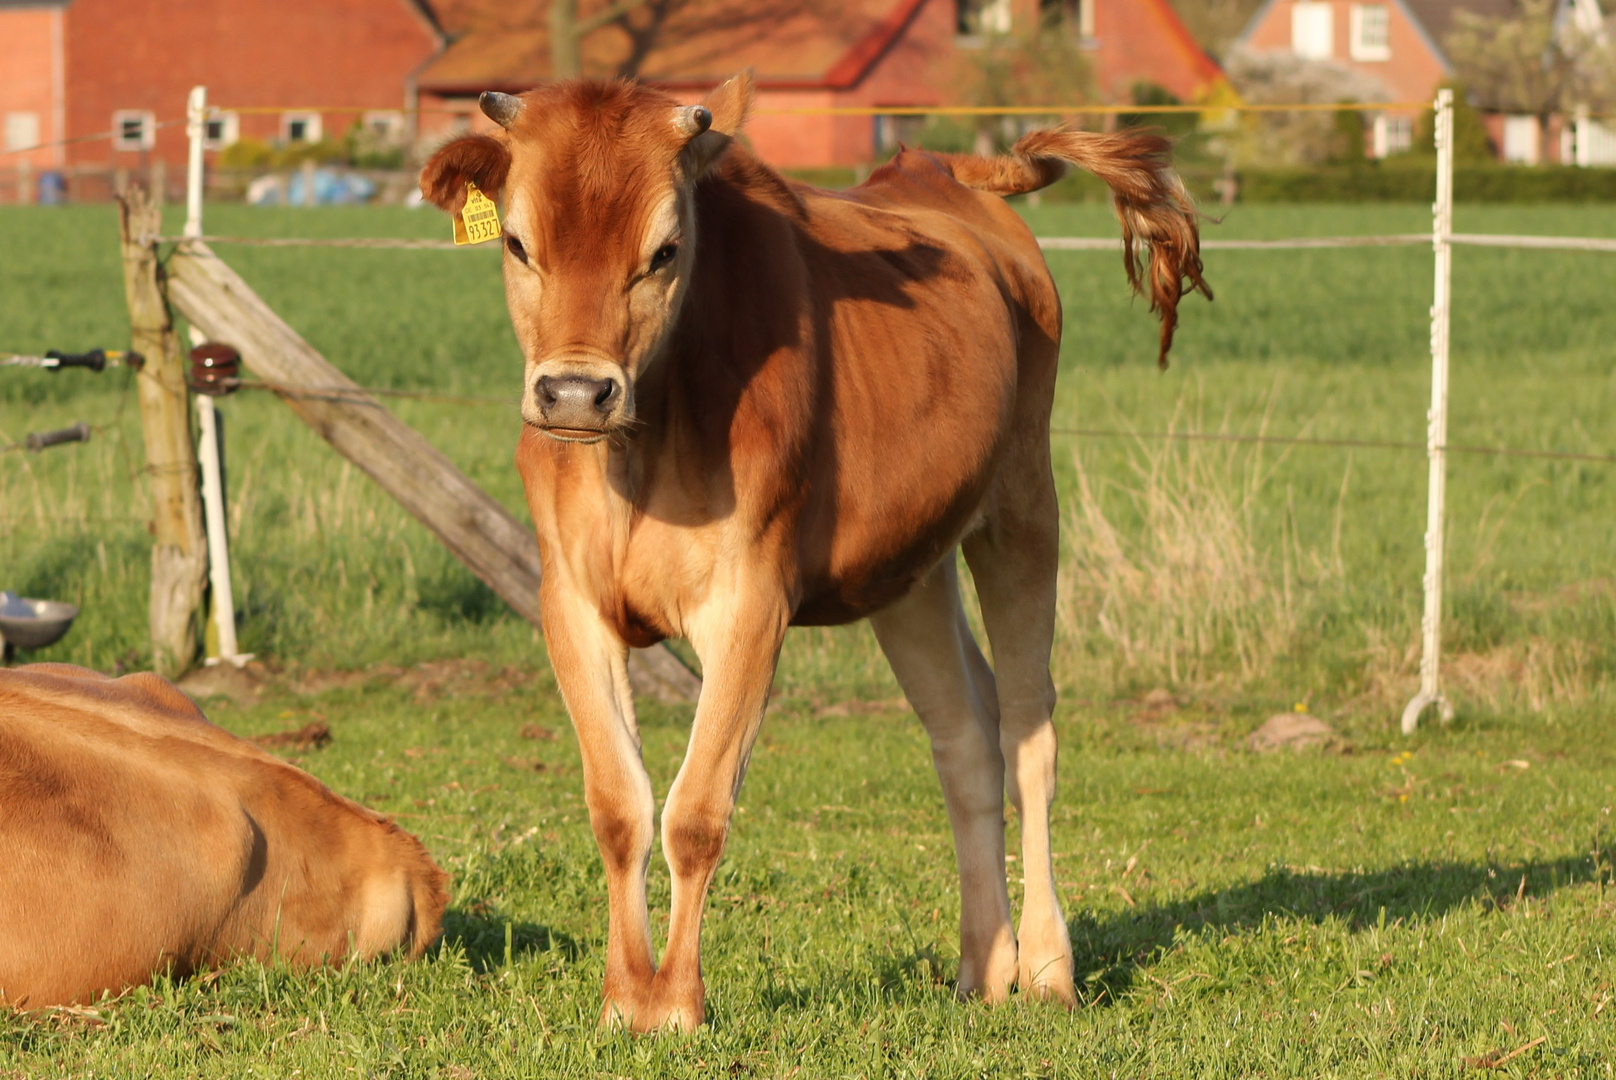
[[1013, 561], [947, 680]]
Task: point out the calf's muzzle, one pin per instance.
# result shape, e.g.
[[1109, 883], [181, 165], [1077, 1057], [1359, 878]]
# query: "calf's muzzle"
[[577, 405]]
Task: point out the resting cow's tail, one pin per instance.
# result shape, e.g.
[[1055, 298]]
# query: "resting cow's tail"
[[1150, 201]]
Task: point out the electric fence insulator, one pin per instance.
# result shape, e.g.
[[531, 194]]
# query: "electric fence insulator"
[[215, 368]]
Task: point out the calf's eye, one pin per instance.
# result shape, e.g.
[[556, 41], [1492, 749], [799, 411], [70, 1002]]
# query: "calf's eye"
[[663, 256], [514, 246]]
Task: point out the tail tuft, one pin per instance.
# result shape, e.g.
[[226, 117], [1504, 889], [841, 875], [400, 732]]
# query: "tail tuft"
[[1150, 201]]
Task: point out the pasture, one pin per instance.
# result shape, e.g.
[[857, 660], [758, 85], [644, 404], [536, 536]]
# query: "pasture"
[[1386, 906]]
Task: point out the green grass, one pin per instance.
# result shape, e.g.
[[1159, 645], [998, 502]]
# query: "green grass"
[[1294, 915], [1232, 915]]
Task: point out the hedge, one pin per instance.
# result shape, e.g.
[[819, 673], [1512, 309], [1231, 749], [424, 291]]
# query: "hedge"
[[1416, 182], [1395, 181], [1411, 180]]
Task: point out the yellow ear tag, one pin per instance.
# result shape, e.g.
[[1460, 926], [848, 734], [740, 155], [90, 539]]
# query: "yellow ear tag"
[[478, 220]]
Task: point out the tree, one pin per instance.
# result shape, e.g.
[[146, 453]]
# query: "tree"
[[1297, 138], [575, 29], [1532, 62], [568, 30], [1039, 65]]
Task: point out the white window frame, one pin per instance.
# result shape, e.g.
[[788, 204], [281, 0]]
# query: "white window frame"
[[229, 130], [991, 17], [313, 130], [147, 137], [22, 130], [385, 124], [1363, 17], [1307, 16], [1393, 135], [1523, 138]]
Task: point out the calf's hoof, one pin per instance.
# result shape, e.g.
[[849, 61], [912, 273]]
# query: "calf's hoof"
[[659, 1006], [1049, 981], [990, 978]]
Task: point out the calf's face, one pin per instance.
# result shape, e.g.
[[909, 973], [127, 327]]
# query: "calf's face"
[[599, 233]]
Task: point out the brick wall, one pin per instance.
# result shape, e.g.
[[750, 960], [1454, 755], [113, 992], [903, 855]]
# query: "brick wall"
[[1143, 41], [28, 56], [1411, 73], [147, 54]]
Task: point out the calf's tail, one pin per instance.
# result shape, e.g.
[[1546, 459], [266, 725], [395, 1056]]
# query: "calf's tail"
[[1150, 201]]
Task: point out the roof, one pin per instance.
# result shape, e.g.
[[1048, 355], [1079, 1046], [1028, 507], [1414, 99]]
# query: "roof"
[[790, 44], [1436, 16]]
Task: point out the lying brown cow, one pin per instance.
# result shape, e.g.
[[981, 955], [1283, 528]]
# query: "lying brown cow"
[[750, 405], [136, 837]]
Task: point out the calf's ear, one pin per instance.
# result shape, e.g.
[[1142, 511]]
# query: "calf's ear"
[[480, 159], [731, 103], [728, 107]]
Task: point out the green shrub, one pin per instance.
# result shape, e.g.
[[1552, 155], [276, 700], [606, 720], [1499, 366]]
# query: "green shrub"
[[1413, 179], [247, 153]]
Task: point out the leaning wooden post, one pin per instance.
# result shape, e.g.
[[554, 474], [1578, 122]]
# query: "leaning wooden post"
[[179, 547]]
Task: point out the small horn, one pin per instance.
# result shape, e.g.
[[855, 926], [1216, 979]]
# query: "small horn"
[[502, 109], [692, 120]]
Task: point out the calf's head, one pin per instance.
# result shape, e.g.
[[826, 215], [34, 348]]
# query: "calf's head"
[[597, 180]]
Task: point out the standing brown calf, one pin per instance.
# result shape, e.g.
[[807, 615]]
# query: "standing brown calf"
[[750, 404], [136, 837]]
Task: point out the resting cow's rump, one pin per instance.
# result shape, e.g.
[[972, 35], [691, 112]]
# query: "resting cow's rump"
[[135, 837]]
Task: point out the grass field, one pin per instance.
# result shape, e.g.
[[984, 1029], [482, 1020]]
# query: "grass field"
[[1398, 906]]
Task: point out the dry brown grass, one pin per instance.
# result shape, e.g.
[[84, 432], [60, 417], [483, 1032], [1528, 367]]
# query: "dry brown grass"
[[1163, 580]]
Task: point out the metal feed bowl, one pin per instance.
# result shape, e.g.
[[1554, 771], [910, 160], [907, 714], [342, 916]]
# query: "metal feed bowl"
[[50, 620]]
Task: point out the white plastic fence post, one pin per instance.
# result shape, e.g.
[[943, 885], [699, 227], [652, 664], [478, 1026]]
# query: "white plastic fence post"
[[1436, 432], [224, 601], [196, 126]]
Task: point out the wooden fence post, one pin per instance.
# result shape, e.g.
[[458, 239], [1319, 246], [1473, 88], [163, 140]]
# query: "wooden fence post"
[[179, 544]]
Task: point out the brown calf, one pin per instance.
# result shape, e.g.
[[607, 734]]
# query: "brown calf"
[[750, 404], [136, 837]]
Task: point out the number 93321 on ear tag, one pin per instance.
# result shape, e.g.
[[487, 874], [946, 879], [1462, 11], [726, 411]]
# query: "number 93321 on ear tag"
[[478, 220]]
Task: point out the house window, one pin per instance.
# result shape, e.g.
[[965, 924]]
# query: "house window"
[[385, 126], [133, 129], [300, 127], [22, 130], [1521, 139], [974, 18], [220, 130], [1076, 17], [1393, 135], [1371, 32], [1313, 30]]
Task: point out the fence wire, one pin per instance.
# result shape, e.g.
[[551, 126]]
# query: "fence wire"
[[1047, 243]]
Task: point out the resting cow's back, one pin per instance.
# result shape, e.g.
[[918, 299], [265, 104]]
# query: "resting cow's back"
[[135, 836]]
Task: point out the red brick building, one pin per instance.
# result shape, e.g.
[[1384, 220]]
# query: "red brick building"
[[72, 68], [287, 71], [1396, 42], [815, 56]]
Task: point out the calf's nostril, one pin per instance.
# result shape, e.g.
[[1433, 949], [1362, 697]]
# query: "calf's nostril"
[[606, 392], [546, 391]]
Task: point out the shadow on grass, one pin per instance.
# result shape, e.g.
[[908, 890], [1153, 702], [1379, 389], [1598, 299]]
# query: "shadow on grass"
[[483, 938], [1112, 948]]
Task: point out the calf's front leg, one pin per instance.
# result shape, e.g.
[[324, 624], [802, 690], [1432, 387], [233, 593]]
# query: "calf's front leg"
[[591, 668], [739, 645]]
